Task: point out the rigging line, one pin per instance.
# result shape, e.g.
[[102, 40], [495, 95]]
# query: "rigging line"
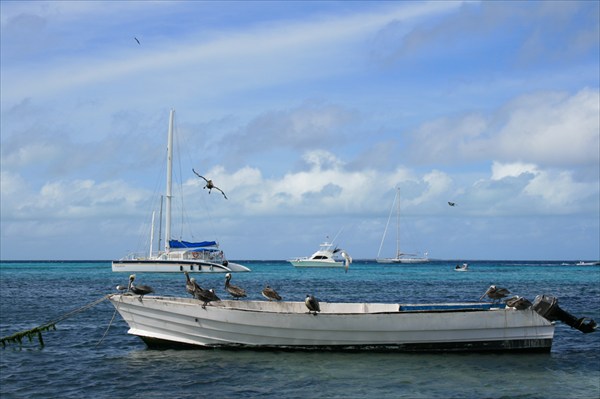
[[387, 224]]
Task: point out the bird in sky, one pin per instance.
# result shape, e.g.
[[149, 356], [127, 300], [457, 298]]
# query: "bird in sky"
[[209, 184], [451, 203], [138, 42]]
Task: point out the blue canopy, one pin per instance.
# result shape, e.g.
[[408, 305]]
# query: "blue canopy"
[[186, 244]]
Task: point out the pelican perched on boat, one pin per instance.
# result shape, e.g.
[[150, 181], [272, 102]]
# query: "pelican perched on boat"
[[495, 293], [518, 303], [312, 304], [270, 294], [234, 291], [190, 285], [140, 290], [206, 296], [122, 287]]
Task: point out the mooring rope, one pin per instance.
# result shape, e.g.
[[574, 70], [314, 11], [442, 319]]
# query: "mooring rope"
[[107, 328], [51, 325]]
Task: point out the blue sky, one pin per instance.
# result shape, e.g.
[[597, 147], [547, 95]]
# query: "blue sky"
[[308, 115]]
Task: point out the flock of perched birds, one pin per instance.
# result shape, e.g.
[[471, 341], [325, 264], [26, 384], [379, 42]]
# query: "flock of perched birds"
[[206, 296]]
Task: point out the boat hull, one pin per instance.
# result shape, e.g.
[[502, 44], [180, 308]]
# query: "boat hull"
[[316, 263], [183, 322], [403, 260], [175, 266]]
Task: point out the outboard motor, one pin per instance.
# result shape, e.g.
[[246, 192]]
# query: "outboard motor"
[[547, 307]]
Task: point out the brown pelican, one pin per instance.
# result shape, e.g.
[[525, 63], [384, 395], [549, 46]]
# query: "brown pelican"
[[140, 290], [206, 296], [234, 291], [270, 294], [495, 293], [518, 303], [209, 184], [122, 288], [190, 285], [451, 203], [312, 304]]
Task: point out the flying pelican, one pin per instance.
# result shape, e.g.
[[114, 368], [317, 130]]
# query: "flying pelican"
[[209, 184], [348, 259], [451, 203], [312, 304], [270, 294], [140, 290], [234, 291], [495, 293], [136, 39]]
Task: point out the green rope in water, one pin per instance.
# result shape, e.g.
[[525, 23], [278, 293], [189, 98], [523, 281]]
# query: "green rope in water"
[[51, 325]]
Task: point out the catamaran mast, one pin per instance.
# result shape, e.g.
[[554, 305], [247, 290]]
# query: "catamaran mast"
[[398, 224], [169, 181]]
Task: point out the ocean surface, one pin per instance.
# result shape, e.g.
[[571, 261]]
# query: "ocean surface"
[[91, 355]]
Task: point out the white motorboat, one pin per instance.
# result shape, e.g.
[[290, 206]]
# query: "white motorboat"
[[178, 255], [328, 255], [461, 268], [185, 322], [400, 257]]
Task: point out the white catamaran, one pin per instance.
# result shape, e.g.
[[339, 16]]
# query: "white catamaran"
[[400, 256], [178, 255]]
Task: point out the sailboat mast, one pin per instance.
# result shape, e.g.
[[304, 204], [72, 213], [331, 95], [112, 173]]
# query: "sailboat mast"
[[169, 180], [398, 224], [151, 236]]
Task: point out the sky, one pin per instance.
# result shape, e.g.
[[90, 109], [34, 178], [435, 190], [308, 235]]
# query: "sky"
[[309, 116]]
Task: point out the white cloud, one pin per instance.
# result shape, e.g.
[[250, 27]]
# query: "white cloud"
[[551, 129], [502, 170]]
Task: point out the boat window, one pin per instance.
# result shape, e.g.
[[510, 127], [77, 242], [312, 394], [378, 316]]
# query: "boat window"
[[320, 257]]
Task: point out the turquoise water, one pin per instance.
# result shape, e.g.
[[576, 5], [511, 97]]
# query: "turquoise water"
[[79, 360]]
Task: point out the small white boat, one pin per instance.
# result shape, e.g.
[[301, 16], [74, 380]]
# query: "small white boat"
[[178, 255], [461, 268], [582, 263], [400, 257], [328, 256], [184, 322]]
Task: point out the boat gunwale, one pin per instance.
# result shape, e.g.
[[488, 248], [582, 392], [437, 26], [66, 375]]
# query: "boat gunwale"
[[468, 308]]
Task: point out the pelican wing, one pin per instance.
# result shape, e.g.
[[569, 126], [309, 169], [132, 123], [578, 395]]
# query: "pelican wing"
[[205, 179]]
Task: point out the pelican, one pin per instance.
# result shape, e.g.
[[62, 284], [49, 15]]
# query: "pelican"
[[451, 203], [122, 288], [206, 296], [312, 304], [234, 291], [518, 303], [209, 184], [190, 284], [270, 294], [495, 293], [348, 259], [140, 290]]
